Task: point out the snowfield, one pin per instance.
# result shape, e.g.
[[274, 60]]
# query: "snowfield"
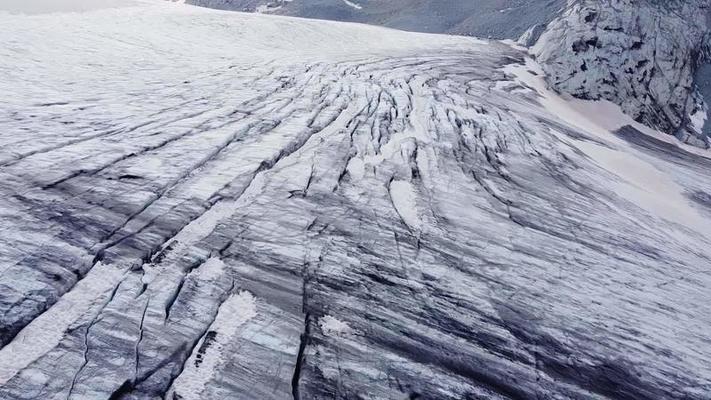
[[197, 204]]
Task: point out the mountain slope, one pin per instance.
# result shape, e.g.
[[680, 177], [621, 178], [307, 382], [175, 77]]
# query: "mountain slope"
[[309, 209], [482, 18]]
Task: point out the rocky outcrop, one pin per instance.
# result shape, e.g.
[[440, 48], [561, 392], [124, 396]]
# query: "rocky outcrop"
[[640, 54]]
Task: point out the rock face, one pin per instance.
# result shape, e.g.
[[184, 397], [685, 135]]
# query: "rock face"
[[317, 210], [640, 54]]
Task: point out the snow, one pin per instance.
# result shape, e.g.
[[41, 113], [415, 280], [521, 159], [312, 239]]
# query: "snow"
[[352, 4], [404, 199], [212, 269], [698, 119], [307, 39], [201, 227], [642, 183], [45, 332], [331, 326], [61, 6], [233, 313], [243, 124]]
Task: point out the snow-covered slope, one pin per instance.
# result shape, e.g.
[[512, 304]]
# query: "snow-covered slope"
[[198, 204]]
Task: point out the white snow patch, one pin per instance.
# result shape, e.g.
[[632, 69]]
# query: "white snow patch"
[[45, 332], [233, 313], [354, 5], [404, 199], [333, 327], [203, 225], [698, 119], [192, 233], [210, 270]]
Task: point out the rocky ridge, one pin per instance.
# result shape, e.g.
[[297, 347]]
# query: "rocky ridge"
[[640, 54]]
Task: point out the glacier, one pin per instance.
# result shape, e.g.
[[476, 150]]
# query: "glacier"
[[199, 204], [648, 56]]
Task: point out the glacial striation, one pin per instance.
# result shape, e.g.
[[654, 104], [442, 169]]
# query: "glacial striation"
[[197, 204]]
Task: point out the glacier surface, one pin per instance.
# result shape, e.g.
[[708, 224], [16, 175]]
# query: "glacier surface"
[[197, 204]]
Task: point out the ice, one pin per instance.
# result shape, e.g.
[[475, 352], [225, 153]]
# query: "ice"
[[217, 205], [234, 312]]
